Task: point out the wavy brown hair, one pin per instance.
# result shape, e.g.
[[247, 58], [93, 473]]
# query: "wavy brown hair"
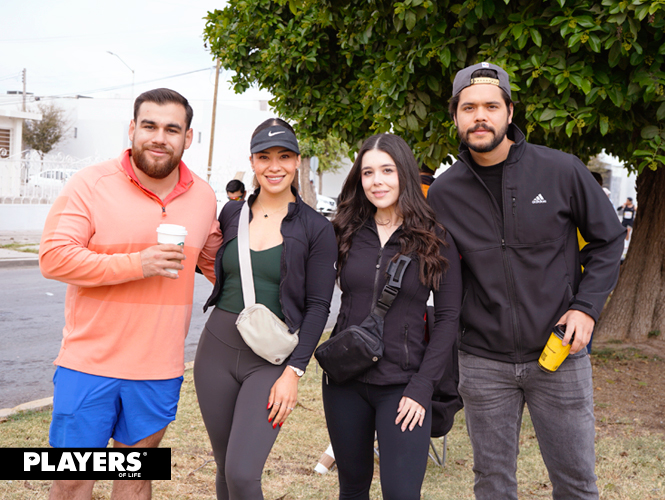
[[420, 229]]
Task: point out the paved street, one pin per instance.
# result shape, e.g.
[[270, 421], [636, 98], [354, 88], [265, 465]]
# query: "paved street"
[[31, 322]]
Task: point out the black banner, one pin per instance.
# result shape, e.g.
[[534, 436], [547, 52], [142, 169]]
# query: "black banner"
[[85, 463]]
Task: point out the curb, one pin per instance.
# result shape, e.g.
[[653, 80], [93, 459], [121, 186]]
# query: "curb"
[[39, 404], [42, 404], [19, 262]]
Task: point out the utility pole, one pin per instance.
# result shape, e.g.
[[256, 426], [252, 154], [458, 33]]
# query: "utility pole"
[[212, 126], [131, 100], [24, 85]]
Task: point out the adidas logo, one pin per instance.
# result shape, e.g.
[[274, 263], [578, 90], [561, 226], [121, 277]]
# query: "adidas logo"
[[539, 199]]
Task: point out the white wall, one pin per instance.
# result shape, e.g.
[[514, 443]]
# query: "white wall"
[[100, 130], [12, 119], [332, 183], [15, 217], [622, 184]]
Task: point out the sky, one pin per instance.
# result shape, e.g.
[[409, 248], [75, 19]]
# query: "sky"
[[64, 47]]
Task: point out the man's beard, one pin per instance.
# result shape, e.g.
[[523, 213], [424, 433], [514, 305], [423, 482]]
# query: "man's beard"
[[487, 147], [155, 168]]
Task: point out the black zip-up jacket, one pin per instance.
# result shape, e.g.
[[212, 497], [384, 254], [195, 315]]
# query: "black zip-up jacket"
[[408, 358], [307, 274], [521, 268]]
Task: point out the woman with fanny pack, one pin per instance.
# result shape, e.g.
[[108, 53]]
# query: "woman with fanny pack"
[[381, 215], [245, 398]]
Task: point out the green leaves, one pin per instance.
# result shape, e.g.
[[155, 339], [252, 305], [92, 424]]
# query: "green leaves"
[[649, 132], [585, 75]]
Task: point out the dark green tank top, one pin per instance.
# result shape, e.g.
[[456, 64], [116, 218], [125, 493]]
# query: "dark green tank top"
[[266, 272]]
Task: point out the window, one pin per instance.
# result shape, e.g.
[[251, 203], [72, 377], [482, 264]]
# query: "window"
[[5, 141]]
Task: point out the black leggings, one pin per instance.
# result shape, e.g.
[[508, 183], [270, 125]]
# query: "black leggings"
[[356, 410], [233, 385]]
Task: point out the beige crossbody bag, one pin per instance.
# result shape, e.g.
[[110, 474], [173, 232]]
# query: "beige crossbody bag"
[[266, 334]]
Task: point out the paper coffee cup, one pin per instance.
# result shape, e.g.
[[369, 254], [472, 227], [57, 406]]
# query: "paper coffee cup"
[[554, 352], [326, 461], [171, 234]]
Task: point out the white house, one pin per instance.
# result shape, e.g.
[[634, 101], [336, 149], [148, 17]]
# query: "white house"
[[11, 133]]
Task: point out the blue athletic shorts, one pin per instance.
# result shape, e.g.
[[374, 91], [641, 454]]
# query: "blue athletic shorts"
[[89, 409]]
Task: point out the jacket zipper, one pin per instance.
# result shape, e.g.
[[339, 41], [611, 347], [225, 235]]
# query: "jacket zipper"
[[510, 281], [506, 262], [377, 271], [406, 346], [462, 325], [152, 195], [512, 298], [287, 319]]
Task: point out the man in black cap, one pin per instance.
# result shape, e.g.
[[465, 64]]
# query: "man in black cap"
[[513, 209]]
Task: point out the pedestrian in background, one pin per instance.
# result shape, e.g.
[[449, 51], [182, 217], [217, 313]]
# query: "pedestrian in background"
[[235, 190], [121, 363], [426, 178], [382, 214], [628, 211], [513, 209]]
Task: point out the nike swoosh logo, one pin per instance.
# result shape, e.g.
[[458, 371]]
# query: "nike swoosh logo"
[[270, 134]]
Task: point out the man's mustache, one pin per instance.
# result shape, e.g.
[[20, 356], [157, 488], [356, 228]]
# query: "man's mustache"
[[481, 126]]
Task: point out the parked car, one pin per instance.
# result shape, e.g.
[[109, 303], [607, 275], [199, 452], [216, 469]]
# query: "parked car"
[[51, 178], [325, 205]]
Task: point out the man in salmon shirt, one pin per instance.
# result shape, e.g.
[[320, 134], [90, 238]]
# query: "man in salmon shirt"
[[121, 362]]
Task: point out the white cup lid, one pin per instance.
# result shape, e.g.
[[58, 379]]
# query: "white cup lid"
[[172, 229]]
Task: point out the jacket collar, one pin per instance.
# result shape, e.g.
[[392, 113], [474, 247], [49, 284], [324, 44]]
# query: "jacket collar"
[[186, 177], [515, 152], [370, 224]]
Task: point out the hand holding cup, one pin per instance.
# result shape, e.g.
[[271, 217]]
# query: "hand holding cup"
[[165, 258]]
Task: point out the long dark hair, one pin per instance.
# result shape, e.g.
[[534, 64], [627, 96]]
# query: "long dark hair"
[[419, 226]]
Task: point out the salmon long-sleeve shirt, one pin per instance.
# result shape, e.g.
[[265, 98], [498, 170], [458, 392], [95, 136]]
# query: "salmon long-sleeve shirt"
[[117, 323]]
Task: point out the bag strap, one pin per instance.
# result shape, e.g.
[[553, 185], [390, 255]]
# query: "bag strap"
[[245, 258], [390, 290]]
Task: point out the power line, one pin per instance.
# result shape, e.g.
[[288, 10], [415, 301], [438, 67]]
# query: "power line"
[[16, 75], [116, 87]]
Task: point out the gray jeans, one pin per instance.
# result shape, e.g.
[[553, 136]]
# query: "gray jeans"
[[561, 409]]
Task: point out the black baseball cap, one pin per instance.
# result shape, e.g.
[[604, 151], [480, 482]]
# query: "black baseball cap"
[[274, 136], [463, 78]]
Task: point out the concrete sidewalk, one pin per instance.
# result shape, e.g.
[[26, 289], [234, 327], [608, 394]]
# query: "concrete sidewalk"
[[19, 240]]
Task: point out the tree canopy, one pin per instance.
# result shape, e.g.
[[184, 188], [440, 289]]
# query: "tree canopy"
[[586, 74], [42, 136]]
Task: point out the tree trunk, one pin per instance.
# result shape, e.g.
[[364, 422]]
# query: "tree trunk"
[[306, 188], [637, 305], [320, 182]]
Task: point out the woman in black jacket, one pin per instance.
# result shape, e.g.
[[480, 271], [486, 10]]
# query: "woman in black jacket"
[[244, 399], [382, 214]]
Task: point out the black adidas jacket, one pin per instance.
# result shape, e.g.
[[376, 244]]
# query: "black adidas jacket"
[[521, 269], [307, 275]]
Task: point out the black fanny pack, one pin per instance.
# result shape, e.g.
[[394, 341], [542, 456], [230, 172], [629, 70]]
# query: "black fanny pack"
[[357, 348]]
